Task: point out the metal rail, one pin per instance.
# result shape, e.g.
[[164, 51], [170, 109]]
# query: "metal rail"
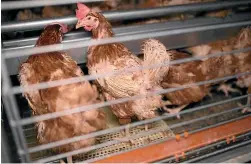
[[202, 149], [130, 37], [134, 29], [56, 83], [219, 151], [12, 110], [178, 41], [129, 15], [117, 101], [14, 116], [10, 5]]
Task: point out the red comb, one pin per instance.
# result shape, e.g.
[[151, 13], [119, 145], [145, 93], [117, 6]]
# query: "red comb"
[[82, 11], [63, 26]]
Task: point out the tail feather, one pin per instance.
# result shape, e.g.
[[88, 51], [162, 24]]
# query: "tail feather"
[[243, 38], [155, 53]]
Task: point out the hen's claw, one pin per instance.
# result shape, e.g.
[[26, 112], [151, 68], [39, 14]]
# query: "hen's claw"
[[226, 89], [175, 110]]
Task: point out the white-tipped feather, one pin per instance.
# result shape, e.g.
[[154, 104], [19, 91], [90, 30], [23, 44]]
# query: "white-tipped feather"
[[155, 53]]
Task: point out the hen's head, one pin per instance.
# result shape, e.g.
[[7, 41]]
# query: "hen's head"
[[90, 20], [52, 34]]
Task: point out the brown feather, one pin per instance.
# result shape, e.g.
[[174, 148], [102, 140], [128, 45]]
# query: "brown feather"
[[182, 74], [53, 66]]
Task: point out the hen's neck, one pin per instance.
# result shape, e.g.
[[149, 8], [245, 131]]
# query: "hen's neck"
[[102, 32]]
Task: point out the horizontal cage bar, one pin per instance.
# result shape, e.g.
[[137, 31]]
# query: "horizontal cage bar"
[[10, 5], [79, 151], [129, 15], [95, 134]]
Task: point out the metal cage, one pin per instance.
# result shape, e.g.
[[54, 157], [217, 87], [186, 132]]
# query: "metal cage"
[[212, 130]]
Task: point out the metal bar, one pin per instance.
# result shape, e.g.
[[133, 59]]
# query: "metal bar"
[[130, 37], [220, 151], [10, 5], [125, 30], [117, 101], [202, 149], [5, 146], [171, 147], [241, 159], [56, 83], [95, 134], [14, 116], [83, 150], [179, 41], [128, 15]]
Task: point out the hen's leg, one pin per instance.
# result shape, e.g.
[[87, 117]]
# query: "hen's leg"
[[69, 159], [127, 135], [145, 127], [175, 110], [210, 95], [182, 17], [226, 89]]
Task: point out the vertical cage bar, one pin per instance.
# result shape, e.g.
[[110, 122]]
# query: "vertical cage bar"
[[13, 114], [5, 153]]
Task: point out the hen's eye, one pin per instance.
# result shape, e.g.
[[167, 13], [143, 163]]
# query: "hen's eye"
[[95, 20], [89, 18]]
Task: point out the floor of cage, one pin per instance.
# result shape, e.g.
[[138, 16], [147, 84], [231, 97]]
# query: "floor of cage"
[[145, 140], [30, 133]]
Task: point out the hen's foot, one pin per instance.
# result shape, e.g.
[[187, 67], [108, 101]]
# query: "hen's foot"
[[175, 110], [226, 89], [69, 160], [247, 108], [145, 127], [182, 17], [127, 135]]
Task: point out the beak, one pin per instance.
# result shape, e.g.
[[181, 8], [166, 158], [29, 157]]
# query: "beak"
[[78, 25]]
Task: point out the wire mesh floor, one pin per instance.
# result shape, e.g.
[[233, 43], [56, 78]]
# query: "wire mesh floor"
[[148, 139], [123, 146]]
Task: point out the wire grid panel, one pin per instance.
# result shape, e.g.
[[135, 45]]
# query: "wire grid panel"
[[231, 77], [164, 133], [108, 137], [132, 144]]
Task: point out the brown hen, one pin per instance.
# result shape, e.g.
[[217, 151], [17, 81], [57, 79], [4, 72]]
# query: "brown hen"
[[52, 66], [115, 57], [218, 67], [184, 74], [244, 41]]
